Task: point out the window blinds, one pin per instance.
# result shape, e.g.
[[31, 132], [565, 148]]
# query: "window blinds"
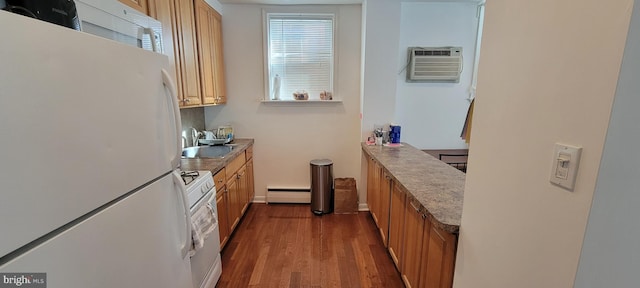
[[301, 53]]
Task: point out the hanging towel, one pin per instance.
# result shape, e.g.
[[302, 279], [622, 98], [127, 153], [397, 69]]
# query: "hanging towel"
[[203, 222]]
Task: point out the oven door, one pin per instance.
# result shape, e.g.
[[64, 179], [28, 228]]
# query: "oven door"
[[205, 263], [116, 21]]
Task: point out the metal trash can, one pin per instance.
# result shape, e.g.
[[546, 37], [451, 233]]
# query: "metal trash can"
[[321, 186]]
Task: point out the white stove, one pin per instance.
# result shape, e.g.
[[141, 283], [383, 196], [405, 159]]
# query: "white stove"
[[198, 184], [206, 263]]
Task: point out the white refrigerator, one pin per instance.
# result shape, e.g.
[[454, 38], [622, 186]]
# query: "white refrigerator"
[[90, 147]]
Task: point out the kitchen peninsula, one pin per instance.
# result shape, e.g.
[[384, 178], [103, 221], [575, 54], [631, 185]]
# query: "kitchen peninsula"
[[416, 202]]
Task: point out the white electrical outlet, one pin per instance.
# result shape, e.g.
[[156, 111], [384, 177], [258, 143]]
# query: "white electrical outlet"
[[564, 166]]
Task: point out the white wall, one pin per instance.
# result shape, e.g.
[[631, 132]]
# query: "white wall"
[[381, 36], [287, 137], [611, 251], [432, 114], [539, 83]]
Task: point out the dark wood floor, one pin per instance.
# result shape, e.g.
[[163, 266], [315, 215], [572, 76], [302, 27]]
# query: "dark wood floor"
[[285, 245]]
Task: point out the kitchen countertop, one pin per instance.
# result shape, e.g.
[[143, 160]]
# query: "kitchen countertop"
[[216, 164], [436, 185]]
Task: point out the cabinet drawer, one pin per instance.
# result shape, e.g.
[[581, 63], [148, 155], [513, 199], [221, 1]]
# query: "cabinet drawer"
[[220, 178], [235, 164], [249, 152]]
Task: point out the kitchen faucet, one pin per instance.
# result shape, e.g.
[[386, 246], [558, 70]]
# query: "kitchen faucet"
[[194, 136]]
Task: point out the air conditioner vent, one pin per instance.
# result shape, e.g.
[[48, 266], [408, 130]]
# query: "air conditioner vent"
[[435, 64]]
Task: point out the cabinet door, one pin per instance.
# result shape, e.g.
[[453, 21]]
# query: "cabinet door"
[[220, 86], [396, 225], [140, 5], [223, 218], [188, 53], [413, 233], [438, 258], [383, 205], [234, 203], [204, 27], [372, 188], [250, 183], [243, 189]]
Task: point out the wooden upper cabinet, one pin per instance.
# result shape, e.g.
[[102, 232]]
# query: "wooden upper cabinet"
[[192, 37], [164, 11], [209, 31], [204, 31], [221, 88], [140, 5], [185, 13]]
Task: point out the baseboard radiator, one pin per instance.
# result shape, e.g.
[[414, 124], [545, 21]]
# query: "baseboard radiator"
[[288, 195]]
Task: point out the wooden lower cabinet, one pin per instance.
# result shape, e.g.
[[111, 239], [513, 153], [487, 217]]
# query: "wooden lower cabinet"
[[235, 210], [250, 181], [413, 236], [423, 253], [223, 218], [396, 225], [234, 184], [373, 186], [243, 189], [438, 258], [384, 202]]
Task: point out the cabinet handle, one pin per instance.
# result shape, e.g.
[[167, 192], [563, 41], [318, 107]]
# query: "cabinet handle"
[[186, 100], [387, 177]]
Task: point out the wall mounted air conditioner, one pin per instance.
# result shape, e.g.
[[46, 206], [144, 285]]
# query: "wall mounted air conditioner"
[[434, 64]]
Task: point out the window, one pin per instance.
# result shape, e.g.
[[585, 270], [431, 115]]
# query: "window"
[[299, 55]]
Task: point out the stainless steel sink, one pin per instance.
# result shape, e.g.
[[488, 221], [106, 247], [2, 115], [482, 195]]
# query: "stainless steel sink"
[[207, 151]]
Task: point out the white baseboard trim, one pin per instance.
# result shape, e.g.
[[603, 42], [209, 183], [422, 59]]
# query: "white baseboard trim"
[[363, 207], [259, 199], [288, 195]]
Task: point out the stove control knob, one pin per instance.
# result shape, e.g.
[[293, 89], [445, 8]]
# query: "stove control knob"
[[203, 190]]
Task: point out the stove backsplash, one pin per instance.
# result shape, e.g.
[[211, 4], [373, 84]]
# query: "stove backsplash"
[[192, 118]]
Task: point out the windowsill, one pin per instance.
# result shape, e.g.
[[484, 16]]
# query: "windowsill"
[[302, 101]]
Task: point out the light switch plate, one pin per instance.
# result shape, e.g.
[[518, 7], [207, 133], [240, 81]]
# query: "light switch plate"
[[564, 167]]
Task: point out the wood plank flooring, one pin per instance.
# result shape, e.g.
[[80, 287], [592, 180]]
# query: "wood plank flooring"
[[285, 245]]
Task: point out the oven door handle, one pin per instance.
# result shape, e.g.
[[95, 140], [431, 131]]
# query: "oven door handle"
[[206, 198]]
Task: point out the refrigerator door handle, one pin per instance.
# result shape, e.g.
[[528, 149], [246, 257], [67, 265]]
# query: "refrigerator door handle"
[[187, 213], [173, 99]]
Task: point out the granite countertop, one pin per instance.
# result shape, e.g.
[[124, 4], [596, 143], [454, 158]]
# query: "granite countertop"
[[216, 164], [436, 185]]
